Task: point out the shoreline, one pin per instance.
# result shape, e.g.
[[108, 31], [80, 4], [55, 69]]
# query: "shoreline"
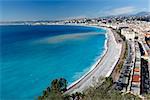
[[86, 79], [99, 58], [99, 67]]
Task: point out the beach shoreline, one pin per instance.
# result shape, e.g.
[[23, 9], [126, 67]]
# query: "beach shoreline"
[[100, 57], [74, 87], [85, 81]]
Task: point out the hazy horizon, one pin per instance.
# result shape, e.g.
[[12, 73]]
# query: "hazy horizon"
[[35, 10]]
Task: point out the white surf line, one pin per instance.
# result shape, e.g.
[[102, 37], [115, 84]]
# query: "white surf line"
[[103, 67]]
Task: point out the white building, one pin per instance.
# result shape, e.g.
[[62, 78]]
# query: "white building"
[[128, 33]]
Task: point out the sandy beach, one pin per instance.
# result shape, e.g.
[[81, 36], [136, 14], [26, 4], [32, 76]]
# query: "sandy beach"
[[102, 68]]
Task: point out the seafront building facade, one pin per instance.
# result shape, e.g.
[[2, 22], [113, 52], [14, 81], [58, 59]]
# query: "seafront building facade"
[[135, 75], [128, 33]]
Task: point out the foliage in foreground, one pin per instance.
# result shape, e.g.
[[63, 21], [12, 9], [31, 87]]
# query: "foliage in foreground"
[[104, 91], [55, 91]]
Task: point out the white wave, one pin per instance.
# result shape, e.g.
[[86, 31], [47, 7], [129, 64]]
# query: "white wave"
[[97, 60]]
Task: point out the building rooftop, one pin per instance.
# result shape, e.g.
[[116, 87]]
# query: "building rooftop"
[[136, 78]]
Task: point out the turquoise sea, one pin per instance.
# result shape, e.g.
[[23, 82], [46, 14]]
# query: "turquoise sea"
[[32, 56]]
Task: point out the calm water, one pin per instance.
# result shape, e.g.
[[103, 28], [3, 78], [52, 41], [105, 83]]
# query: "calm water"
[[32, 56]]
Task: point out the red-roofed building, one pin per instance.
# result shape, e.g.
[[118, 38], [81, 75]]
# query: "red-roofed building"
[[136, 78]]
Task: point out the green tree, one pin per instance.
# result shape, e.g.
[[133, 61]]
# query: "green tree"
[[55, 86], [59, 85], [63, 84]]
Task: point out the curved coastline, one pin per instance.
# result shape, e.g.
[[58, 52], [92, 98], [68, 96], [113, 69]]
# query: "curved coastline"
[[101, 67], [100, 57]]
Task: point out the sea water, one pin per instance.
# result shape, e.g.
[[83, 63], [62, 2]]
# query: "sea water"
[[32, 56]]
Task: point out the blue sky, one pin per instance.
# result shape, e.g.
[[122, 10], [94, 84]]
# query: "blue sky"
[[16, 10]]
